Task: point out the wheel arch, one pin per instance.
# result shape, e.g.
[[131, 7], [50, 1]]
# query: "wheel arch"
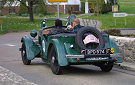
[[60, 52], [32, 49], [114, 45]]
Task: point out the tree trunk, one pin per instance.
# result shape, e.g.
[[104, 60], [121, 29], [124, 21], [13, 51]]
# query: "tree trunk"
[[30, 9]]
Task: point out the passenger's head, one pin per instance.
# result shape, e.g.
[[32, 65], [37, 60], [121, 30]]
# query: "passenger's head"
[[58, 23], [76, 22]]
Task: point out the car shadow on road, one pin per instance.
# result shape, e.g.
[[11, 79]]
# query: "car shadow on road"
[[84, 70], [75, 69]]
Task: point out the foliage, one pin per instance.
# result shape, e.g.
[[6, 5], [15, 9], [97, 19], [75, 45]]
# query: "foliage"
[[25, 15], [115, 32], [23, 9], [29, 6], [98, 6], [77, 12], [41, 8], [40, 15], [1, 14], [82, 6]]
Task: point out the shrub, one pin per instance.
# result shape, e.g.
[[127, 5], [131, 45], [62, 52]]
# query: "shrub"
[[115, 32], [23, 9], [25, 15], [77, 12], [83, 7], [102, 7], [41, 8], [40, 15], [1, 14]]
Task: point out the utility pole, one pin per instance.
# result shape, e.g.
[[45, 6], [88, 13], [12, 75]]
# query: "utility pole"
[[97, 7], [58, 10], [86, 7], [114, 2]]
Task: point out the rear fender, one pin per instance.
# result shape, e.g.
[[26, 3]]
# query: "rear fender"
[[114, 45], [32, 49], [60, 52]]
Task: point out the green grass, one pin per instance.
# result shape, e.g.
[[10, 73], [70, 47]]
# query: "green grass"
[[16, 24], [48, 15], [126, 0], [53, 15], [108, 21], [127, 8]]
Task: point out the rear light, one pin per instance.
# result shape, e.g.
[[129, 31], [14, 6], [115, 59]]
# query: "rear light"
[[66, 41], [78, 59], [115, 58]]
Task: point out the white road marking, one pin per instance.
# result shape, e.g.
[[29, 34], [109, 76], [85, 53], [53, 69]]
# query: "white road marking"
[[11, 45]]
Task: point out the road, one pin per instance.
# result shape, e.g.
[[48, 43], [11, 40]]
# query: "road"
[[38, 72]]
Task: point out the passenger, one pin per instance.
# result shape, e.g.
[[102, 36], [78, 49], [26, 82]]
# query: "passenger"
[[58, 27], [76, 25]]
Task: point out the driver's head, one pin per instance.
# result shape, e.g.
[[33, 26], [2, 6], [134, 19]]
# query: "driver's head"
[[58, 23], [76, 22]]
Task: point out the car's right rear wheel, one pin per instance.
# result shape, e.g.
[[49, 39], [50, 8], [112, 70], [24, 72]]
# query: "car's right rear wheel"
[[24, 55], [56, 69]]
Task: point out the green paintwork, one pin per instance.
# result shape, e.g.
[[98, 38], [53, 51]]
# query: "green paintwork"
[[60, 52], [114, 45], [32, 49], [33, 33], [62, 48]]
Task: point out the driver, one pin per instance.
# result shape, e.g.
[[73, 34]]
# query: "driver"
[[58, 27]]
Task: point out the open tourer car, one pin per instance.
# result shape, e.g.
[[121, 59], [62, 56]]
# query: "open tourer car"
[[87, 46]]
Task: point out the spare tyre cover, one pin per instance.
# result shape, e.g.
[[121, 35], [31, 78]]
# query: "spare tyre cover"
[[89, 30]]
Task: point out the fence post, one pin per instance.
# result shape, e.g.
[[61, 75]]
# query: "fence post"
[[1, 25]]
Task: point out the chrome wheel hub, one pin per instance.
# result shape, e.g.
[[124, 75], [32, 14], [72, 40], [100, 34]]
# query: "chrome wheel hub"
[[53, 59]]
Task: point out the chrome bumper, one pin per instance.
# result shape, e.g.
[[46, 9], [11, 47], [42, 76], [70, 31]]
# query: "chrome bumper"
[[74, 56], [115, 55], [83, 56]]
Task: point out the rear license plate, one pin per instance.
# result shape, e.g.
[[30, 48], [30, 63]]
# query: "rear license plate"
[[97, 58], [89, 52]]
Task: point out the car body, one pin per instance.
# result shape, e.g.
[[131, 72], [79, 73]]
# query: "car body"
[[68, 48]]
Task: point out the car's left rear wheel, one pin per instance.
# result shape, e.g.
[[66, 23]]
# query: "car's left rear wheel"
[[24, 56], [107, 66]]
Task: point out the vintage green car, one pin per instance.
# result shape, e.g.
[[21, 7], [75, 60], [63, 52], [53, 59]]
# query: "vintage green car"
[[87, 46]]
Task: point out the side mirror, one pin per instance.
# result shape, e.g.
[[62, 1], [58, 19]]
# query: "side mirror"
[[33, 33]]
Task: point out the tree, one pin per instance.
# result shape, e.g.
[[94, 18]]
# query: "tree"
[[23, 9], [8, 4], [41, 9], [29, 6]]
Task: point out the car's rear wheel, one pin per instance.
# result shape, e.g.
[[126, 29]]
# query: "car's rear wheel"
[[56, 69], [107, 66], [24, 56]]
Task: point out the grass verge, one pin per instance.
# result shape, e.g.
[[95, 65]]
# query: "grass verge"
[[17, 24], [108, 21]]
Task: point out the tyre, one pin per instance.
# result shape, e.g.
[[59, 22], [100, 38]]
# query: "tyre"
[[24, 56], [56, 69], [83, 32], [107, 67]]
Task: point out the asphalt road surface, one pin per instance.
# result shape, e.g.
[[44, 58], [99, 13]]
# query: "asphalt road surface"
[[38, 72]]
